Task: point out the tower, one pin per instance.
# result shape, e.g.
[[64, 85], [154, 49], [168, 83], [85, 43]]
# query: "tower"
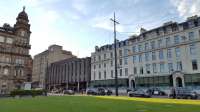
[[22, 26]]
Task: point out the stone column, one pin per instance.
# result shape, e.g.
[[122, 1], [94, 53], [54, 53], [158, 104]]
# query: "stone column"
[[78, 86]]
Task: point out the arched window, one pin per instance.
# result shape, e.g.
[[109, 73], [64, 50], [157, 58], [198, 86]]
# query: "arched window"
[[5, 71]]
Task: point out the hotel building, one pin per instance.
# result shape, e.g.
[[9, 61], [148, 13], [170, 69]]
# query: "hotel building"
[[166, 56]]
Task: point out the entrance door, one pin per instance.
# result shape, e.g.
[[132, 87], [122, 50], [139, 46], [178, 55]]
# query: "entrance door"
[[179, 82], [133, 83]]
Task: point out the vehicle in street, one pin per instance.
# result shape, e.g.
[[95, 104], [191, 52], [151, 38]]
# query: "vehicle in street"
[[91, 91], [139, 93], [182, 93], [156, 92], [69, 92], [98, 91]]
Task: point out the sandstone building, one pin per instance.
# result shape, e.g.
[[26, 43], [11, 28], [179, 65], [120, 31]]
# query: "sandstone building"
[[42, 60], [15, 66]]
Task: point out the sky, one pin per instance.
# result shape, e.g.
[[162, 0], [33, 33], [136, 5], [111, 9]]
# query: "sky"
[[80, 25]]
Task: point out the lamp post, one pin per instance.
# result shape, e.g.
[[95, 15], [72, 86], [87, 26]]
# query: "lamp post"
[[115, 53]]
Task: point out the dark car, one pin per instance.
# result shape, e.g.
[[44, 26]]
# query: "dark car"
[[104, 91], [182, 93], [101, 91], [69, 92], [156, 91], [91, 92], [130, 89], [139, 93], [108, 92]]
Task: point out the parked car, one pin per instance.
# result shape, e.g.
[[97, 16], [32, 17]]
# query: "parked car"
[[182, 93], [104, 91], [101, 91], [108, 92], [139, 93], [91, 91], [130, 89], [98, 91], [69, 92], [156, 91]]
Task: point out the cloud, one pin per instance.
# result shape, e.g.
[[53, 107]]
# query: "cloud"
[[104, 22], [80, 6], [187, 8]]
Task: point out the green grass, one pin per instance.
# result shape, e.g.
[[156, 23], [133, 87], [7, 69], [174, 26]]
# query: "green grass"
[[95, 104]]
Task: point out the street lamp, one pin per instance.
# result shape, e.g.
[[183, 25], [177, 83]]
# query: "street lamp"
[[115, 53]]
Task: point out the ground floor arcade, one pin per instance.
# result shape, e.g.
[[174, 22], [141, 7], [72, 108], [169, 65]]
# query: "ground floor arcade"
[[176, 79]]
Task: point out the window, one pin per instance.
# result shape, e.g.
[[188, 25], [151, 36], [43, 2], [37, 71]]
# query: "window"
[[153, 55], [99, 65], [161, 55], [8, 60], [126, 52], [104, 74], [104, 65], [120, 72], [168, 42], [170, 67], [153, 45], [111, 72], [179, 66], [6, 71], [178, 52], [22, 33], [194, 65], [104, 56], [191, 36], [135, 70], [94, 66], [154, 68], [111, 55], [147, 56], [139, 48], [160, 43], [192, 49], [134, 59], [9, 40], [126, 71], [99, 57], [141, 70], [2, 39], [134, 49], [162, 67], [18, 61], [169, 53], [146, 46], [94, 58], [148, 68], [120, 52], [94, 75], [99, 75], [120, 61], [140, 58], [111, 63], [125, 61], [176, 39]]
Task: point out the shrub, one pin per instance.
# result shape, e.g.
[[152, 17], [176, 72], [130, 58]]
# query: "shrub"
[[32, 93]]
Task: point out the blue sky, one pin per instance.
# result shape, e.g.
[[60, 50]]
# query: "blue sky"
[[80, 25]]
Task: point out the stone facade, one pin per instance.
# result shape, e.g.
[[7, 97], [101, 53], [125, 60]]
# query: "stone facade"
[[15, 66], [73, 73], [42, 60], [167, 56]]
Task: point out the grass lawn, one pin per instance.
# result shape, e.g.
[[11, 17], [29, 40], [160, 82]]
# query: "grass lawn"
[[97, 104]]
